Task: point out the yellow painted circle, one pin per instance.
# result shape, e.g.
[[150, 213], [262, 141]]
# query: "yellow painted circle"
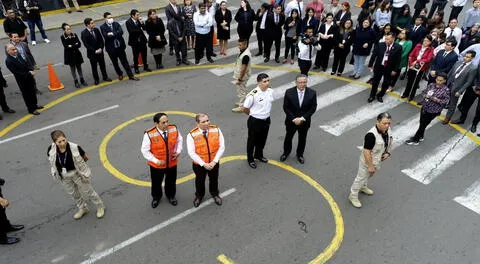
[[327, 253]]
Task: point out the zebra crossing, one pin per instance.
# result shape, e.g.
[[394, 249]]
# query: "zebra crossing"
[[433, 163]]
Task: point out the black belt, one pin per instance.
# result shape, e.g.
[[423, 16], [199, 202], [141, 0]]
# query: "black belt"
[[264, 120]]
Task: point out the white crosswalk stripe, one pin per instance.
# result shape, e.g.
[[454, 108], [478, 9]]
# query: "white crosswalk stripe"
[[338, 94], [407, 128], [471, 197], [435, 162], [360, 116], [279, 92]]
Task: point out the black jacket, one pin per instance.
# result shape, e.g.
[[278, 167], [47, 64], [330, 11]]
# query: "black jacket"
[[92, 44], [298, 26], [443, 64], [21, 72], [113, 42], [14, 26], [176, 29], [394, 57], [271, 29], [155, 29], [292, 108], [71, 49], [328, 43], [32, 14], [136, 37], [170, 13]]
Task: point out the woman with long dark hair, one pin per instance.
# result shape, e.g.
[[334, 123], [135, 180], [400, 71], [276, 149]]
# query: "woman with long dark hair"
[[344, 42], [72, 55], [223, 17], [292, 32], [362, 45], [245, 17], [310, 21], [156, 36]]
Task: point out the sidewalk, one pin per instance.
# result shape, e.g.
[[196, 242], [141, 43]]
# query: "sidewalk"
[[54, 19]]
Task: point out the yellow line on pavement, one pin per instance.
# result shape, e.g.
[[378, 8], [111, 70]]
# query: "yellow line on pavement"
[[224, 259]]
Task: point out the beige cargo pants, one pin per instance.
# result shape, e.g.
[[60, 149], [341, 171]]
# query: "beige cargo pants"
[[81, 190]]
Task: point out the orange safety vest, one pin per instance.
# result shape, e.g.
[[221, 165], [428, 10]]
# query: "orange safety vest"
[[159, 148], [206, 150]]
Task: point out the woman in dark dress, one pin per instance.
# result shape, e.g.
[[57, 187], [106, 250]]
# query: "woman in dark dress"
[[245, 17], [189, 9], [223, 17], [310, 21], [156, 36], [72, 55], [327, 34], [343, 43]]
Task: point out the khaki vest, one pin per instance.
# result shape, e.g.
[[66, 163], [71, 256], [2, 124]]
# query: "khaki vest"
[[238, 66], [377, 150], [80, 164]]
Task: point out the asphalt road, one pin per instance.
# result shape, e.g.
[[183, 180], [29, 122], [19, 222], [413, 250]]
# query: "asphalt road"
[[270, 215]]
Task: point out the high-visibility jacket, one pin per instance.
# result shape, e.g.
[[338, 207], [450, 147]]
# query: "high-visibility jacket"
[[206, 150], [159, 147]]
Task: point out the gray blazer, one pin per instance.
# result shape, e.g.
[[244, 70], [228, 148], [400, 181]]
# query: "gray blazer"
[[464, 80]]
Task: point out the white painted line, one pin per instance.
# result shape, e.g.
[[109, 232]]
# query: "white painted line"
[[433, 164], [340, 93], [57, 124], [361, 115], [273, 73], [230, 52], [407, 129], [313, 80], [96, 257], [471, 197]]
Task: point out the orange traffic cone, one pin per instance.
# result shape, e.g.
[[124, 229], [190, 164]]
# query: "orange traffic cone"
[[359, 3], [215, 40], [55, 83], [140, 60]]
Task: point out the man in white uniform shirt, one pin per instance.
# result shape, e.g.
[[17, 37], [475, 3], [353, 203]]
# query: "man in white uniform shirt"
[[258, 105]]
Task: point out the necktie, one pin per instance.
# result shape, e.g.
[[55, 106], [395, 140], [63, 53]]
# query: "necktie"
[[300, 98], [415, 28], [451, 32], [93, 34], [459, 69], [387, 53], [205, 135], [165, 138], [445, 54], [276, 19], [178, 30], [208, 147], [299, 10]]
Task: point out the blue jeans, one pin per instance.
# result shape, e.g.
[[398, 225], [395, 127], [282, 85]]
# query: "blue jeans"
[[359, 64], [31, 26]]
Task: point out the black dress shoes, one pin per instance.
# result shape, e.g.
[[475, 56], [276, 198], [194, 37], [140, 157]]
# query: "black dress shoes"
[[301, 159], [277, 60], [107, 79], [217, 200], [283, 157], [171, 53], [177, 64], [96, 82], [40, 107], [370, 99], [458, 121], [197, 61], [380, 99], [149, 70], [210, 60], [262, 159], [186, 62], [266, 60], [133, 78], [9, 111], [9, 240], [252, 164], [155, 203], [35, 112], [173, 201], [137, 71], [473, 129], [14, 228], [197, 201]]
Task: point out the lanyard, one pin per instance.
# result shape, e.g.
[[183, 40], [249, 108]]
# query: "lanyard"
[[64, 164]]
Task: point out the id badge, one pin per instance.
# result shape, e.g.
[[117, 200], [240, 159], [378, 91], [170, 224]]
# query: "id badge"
[[430, 93], [64, 171]]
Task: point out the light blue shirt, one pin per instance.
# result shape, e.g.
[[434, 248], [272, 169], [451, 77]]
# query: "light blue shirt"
[[472, 16], [203, 23], [474, 47], [382, 18]]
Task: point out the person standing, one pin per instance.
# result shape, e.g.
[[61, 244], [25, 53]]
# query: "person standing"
[[13, 24], [5, 225], [177, 29], [453, 31], [258, 105], [299, 104], [437, 4], [376, 149], [173, 11], [306, 51], [294, 4], [343, 43], [261, 18], [241, 73], [93, 42], [471, 94], [384, 62], [406, 44], [161, 147], [457, 6], [69, 9], [115, 46], [327, 34], [32, 10], [362, 44], [23, 74], [72, 54], [460, 78], [203, 22], [3, 99], [293, 27], [435, 98], [156, 36], [245, 17], [26, 54], [472, 15], [137, 40], [317, 6], [205, 145], [444, 60], [189, 9], [223, 18], [273, 30], [68, 165]]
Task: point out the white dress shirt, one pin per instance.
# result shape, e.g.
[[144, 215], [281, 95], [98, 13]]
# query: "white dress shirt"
[[459, 72], [194, 155], [264, 18], [457, 34], [306, 52], [294, 5], [202, 23], [147, 154], [259, 103]]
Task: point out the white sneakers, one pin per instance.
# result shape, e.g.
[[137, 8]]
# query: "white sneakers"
[[47, 41], [80, 213], [34, 43], [100, 212], [355, 202], [237, 109], [366, 190]]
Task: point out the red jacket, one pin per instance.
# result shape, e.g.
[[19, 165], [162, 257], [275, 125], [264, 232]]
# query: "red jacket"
[[426, 57]]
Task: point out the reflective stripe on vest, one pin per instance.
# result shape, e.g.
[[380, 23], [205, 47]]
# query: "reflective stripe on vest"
[[159, 149], [206, 150]]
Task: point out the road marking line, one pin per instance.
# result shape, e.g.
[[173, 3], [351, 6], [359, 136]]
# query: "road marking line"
[[274, 73], [361, 115], [471, 197], [338, 94], [313, 80], [431, 165], [407, 128], [230, 52], [58, 124], [97, 256], [224, 259]]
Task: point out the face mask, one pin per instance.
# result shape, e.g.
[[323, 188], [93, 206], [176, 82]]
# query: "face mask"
[[110, 20]]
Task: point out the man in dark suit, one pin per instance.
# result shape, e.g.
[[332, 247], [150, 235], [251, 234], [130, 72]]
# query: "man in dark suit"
[[115, 46], [459, 79], [176, 29], [5, 225], [273, 32], [471, 94], [93, 42], [259, 17], [417, 32], [173, 11], [444, 60], [299, 104], [385, 60], [24, 76], [3, 99], [137, 39]]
